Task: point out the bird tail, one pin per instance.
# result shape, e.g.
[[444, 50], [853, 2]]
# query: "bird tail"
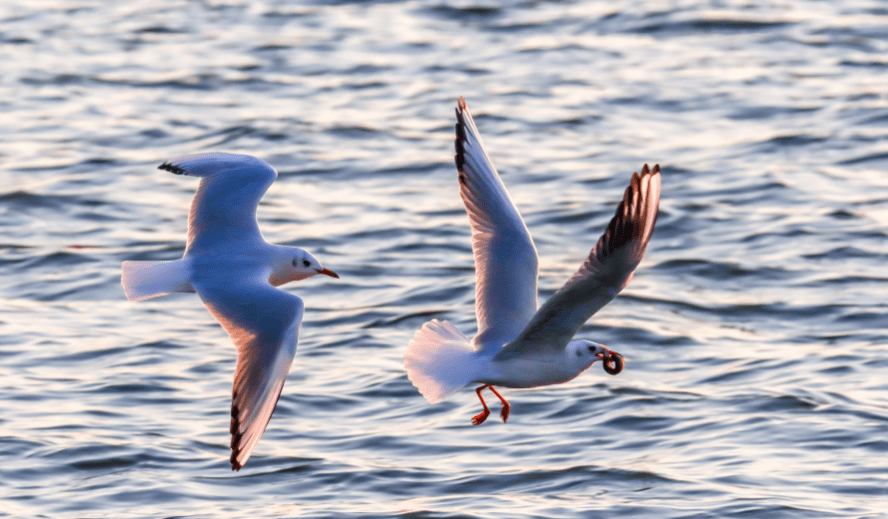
[[147, 279], [439, 360]]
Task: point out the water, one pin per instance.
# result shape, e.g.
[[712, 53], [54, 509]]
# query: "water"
[[754, 331]]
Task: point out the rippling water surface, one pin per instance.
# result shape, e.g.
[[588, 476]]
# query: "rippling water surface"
[[755, 330]]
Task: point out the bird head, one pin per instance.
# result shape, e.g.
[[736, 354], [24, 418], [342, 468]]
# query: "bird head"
[[305, 266], [592, 352], [296, 265]]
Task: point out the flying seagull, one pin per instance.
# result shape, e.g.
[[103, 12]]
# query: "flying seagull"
[[521, 345], [235, 271]]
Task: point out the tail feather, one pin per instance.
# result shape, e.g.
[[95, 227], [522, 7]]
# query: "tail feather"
[[439, 360], [147, 279]]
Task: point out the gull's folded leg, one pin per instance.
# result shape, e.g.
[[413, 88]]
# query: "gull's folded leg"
[[479, 418], [504, 413]]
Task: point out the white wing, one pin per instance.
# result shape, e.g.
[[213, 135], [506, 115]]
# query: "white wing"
[[505, 256], [264, 324], [224, 207], [605, 272]]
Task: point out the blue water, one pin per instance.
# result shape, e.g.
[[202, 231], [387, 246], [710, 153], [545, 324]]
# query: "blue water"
[[754, 331]]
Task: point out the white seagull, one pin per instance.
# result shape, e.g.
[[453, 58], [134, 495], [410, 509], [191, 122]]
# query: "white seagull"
[[235, 272], [519, 345]]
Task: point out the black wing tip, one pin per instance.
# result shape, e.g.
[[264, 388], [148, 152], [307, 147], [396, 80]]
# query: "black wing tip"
[[460, 157], [235, 439], [635, 183], [236, 435], [626, 222], [172, 168], [645, 171]]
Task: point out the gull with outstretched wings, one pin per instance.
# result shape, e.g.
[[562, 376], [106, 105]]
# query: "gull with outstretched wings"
[[521, 345], [235, 271]]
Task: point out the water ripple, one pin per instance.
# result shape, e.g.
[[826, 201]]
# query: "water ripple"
[[754, 330]]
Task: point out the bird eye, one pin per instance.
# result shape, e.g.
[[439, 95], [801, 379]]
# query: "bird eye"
[[306, 262], [592, 349]]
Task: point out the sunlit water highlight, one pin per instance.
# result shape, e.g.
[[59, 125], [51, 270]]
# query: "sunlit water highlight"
[[754, 331]]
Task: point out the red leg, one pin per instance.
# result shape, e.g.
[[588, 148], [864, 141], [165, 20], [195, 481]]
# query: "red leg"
[[504, 413], [479, 419]]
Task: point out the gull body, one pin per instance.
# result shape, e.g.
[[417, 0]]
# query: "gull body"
[[520, 344], [234, 270]]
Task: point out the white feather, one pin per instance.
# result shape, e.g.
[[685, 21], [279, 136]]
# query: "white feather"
[[146, 279], [439, 360]]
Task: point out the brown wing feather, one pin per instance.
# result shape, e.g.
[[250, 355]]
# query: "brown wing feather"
[[606, 271]]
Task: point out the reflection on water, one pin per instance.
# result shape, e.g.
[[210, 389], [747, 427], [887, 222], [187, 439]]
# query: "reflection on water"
[[753, 331]]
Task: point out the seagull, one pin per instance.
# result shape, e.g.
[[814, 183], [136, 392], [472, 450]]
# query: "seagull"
[[521, 345], [235, 271]]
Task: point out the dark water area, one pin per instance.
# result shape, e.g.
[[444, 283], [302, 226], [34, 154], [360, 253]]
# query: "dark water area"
[[754, 331]]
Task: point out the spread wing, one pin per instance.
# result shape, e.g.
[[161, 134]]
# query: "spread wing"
[[224, 207], [263, 322], [606, 271], [505, 256]]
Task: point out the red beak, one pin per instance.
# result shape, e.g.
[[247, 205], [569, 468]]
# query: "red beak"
[[328, 272]]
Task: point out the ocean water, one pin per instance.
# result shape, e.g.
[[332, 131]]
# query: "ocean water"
[[754, 331]]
